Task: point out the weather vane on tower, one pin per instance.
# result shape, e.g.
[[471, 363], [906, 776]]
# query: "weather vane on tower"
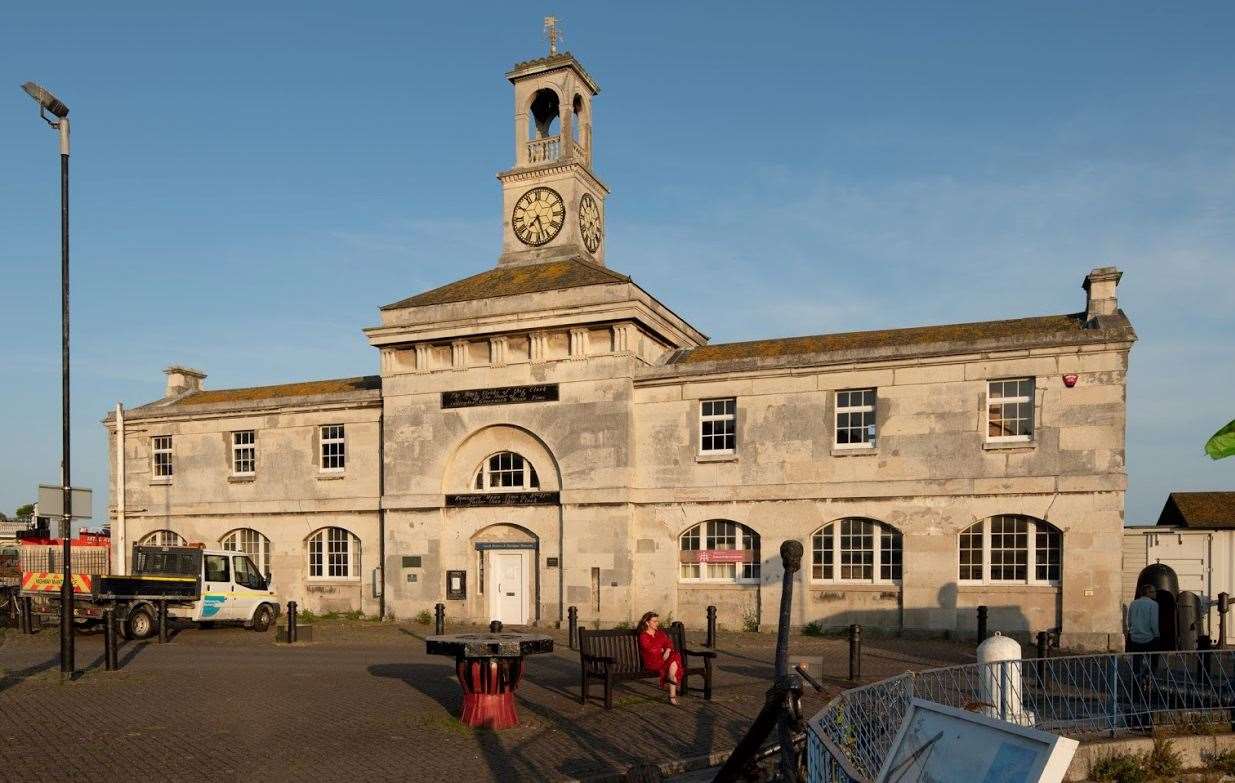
[[552, 33]]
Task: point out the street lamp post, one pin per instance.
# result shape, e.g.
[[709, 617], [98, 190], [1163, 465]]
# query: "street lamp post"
[[60, 121]]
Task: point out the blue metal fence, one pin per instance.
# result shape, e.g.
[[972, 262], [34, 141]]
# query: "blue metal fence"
[[1079, 696]]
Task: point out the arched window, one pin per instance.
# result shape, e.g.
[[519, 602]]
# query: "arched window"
[[720, 550], [252, 543], [856, 550], [506, 471], [1010, 548], [162, 538], [334, 553]]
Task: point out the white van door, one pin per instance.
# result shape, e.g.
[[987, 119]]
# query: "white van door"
[[216, 588], [508, 587], [248, 590]]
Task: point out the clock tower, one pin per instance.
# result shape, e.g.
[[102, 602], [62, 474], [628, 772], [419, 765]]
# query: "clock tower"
[[553, 205]]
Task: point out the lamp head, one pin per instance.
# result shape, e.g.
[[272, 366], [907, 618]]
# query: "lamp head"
[[46, 100]]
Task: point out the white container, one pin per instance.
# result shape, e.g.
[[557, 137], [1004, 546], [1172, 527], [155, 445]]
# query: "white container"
[[999, 680]]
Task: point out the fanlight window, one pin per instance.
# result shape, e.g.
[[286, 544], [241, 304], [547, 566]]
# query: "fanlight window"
[[162, 538], [506, 471], [252, 543], [334, 553], [719, 550], [1010, 548], [856, 550]]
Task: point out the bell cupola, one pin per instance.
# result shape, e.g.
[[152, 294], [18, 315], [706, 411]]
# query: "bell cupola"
[[553, 203]]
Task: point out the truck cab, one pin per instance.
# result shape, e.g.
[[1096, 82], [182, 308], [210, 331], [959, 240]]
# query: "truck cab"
[[232, 589]]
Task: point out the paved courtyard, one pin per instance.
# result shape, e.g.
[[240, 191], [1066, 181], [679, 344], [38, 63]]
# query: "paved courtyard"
[[364, 701]]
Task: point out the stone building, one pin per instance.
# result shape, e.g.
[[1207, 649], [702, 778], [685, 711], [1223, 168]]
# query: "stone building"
[[546, 433]]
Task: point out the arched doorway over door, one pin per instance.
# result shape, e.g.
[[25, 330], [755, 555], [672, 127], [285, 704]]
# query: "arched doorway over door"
[[507, 573]]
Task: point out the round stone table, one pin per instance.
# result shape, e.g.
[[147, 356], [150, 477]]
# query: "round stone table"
[[489, 666]]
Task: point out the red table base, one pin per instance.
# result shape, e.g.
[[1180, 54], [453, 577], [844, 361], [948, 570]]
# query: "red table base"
[[489, 691]]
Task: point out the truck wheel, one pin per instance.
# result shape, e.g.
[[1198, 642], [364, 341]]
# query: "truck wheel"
[[263, 618], [140, 624]]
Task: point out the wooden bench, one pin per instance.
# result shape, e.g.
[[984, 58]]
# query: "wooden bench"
[[613, 656]]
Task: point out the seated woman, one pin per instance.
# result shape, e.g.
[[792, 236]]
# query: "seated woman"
[[659, 655]]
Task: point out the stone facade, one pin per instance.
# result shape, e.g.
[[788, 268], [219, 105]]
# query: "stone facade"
[[606, 394]]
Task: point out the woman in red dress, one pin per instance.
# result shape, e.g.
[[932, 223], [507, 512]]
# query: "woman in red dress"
[[659, 655]]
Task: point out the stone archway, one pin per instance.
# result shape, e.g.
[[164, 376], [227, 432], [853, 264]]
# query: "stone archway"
[[507, 560]]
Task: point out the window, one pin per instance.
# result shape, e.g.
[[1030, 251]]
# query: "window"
[[1009, 410], [244, 453], [506, 471], [855, 419], [252, 543], [334, 553], [217, 569], [246, 573], [717, 425], [161, 451], [856, 550], [998, 550], [162, 538], [334, 454], [720, 551]]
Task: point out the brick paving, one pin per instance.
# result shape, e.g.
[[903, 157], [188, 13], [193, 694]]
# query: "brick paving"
[[364, 701]]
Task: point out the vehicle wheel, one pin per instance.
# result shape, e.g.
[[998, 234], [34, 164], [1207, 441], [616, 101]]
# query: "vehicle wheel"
[[263, 618], [140, 624], [206, 624]]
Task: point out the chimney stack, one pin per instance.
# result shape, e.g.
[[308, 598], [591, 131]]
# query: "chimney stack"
[[182, 380], [1100, 298]]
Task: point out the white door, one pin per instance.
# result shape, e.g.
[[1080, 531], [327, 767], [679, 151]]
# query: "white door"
[[216, 588], [508, 588]]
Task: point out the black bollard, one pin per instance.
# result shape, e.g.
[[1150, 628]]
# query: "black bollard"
[[1224, 605], [495, 626], [1043, 640], [572, 625], [439, 619], [109, 640], [162, 622], [291, 622], [711, 640], [982, 611], [855, 652], [27, 616]]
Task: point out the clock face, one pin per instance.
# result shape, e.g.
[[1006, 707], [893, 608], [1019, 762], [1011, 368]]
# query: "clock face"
[[589, 222], [538, 216]]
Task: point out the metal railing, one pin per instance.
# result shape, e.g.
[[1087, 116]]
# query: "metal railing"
[[1079, 696]]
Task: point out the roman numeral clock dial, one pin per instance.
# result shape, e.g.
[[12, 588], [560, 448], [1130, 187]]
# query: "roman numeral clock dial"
[[538, 216]]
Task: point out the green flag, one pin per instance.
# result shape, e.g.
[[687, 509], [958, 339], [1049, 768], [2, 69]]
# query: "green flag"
[[1222, 444]]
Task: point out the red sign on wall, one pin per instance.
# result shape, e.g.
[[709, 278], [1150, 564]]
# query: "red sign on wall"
[[722, 555]]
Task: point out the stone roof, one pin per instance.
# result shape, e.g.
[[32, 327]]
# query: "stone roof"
[[1207, 510], [559, 60], [513, 280], [282, 391], [1012, 333]]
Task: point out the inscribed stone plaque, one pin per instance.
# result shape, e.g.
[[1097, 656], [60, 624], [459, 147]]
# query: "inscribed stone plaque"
[[501, 395]]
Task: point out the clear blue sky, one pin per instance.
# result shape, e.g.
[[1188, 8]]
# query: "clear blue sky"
[[252, 180]]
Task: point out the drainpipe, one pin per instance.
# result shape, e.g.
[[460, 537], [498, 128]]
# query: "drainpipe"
[[119, 537], [561, 560], [381, 509]]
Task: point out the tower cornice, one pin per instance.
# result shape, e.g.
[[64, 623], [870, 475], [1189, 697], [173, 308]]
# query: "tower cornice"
[[556, 62], [530, 173]]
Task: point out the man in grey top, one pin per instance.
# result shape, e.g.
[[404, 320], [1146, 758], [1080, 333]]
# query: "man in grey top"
[[1143, 626]]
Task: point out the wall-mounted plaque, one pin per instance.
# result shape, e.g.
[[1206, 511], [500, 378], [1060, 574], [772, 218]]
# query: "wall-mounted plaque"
[[550, 562], [456, 584], [487, 499], [411, 561], [501, 395]]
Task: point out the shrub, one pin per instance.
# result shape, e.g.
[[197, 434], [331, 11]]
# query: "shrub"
[[1220, 760], [355, 614], [1163, 761], [424, 617], [623, 626], [813, 628], [750, 620], [305, 616], [1115, 767]]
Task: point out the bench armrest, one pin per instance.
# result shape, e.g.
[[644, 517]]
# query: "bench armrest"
[[699, 653]]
